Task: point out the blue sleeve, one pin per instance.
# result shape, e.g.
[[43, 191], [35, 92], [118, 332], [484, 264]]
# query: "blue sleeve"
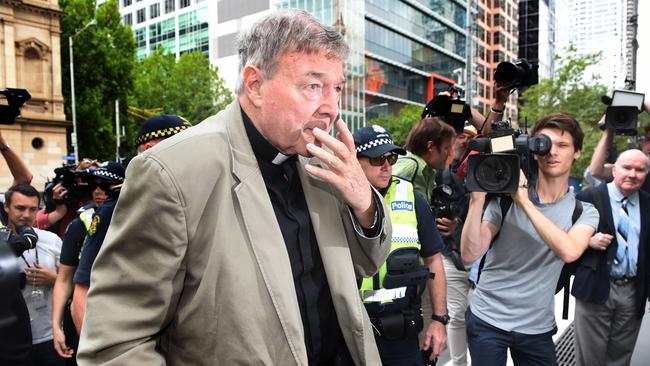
[[430, 239], [72, 242], [91, 248]]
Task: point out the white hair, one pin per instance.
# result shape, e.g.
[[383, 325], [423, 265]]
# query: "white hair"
[[282, 32]]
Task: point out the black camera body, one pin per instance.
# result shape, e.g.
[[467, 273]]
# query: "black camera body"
[[452, 110], [516, 74], [623, 111], [15, 99], [444, 202], [495, 169], [67, 176]]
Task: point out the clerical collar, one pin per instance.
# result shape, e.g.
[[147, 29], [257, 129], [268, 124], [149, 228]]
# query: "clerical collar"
[[261, 147]]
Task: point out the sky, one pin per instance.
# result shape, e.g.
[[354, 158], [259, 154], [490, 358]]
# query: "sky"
[[643, 53]]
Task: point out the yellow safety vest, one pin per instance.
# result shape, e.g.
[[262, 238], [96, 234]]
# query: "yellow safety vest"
[[400, 201]]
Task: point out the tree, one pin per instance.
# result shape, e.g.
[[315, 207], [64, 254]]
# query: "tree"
[[400, 125], [191, 87], [569, 92], [104, 58]]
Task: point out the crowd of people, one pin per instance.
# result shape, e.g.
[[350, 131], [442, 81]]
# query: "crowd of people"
[[257, 237]]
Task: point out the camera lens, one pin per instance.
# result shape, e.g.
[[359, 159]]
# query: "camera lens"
[[494, 173]]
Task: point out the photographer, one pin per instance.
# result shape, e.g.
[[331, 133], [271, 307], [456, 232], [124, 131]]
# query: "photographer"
[[513, 304], [62, 199], [65, 334], [39, 265], [449, 203]]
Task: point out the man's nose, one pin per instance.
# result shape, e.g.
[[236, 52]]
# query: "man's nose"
[[329, 103]]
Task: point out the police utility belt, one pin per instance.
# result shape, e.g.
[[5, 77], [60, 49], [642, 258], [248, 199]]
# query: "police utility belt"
[[394, 309]]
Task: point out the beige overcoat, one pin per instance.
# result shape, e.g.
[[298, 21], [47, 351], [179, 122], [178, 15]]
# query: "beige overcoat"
[[194, 269]]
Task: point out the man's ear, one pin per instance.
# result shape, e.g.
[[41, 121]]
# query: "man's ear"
[[252, 84], [577, 154]]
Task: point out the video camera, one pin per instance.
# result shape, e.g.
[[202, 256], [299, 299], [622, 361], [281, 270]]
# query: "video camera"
[[450, 109], [516, 74], [15, 99], [67, 176], [623, 111], [12, 246], [495, 169], [444, 203]]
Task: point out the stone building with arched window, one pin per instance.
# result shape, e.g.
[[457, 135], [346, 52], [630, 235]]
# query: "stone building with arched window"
[[30, 58]]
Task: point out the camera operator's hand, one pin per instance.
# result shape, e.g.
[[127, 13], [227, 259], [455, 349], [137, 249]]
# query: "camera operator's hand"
[[501, 94], [59, 192], [600, 241], [39, 276], [521, 194], [446, 226]]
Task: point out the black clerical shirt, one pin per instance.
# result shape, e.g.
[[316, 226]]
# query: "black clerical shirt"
[[323, 338]]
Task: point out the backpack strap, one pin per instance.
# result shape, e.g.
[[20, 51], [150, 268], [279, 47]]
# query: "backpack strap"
[[568, 269], [504, 203]]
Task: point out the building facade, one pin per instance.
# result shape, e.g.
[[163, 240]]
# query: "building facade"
[[497, 41], [178, 26], [30, 58], [537, 35], [600, 26], [403, 51]]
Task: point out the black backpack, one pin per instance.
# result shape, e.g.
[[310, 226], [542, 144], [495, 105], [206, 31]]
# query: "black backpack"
[[568, 270]]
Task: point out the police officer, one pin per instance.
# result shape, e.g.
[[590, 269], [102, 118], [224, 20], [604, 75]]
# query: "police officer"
[[158, 128], [392, 296], [109, 178], [63, 330]]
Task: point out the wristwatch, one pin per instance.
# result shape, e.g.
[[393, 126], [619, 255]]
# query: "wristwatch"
[[444, 319]]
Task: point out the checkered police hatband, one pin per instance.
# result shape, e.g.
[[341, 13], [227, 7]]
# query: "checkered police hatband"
[[166, 132], [108, 175], [374, 143]]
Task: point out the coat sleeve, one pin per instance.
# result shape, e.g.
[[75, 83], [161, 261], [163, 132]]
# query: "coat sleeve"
[[137, 278], [368, 254]]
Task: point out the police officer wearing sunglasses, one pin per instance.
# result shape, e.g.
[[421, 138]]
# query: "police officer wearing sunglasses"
[[393, 296]]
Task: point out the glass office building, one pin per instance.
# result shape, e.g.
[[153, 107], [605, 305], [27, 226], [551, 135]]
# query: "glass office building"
[[176, 25], [403, 51]]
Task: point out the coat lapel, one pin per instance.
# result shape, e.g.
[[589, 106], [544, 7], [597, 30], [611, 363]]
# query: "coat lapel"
[[265, 237], [335, 253]]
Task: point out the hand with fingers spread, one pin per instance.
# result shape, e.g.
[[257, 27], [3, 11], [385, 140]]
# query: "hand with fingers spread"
[[344, 173]]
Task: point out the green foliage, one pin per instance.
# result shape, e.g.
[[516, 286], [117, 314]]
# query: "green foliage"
[[191, 87], [400, 125], [569, 92], [104, 58]]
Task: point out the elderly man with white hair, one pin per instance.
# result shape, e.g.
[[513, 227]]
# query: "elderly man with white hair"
[[611, 283]]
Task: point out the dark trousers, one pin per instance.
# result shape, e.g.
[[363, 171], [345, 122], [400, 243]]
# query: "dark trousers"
[[488, 345], [44, 354], [399, 352], [71, 337]]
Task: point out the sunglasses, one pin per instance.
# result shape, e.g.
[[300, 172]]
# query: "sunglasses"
[[380, 160]]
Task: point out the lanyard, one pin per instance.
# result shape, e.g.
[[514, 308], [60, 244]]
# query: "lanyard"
[[25, 260]]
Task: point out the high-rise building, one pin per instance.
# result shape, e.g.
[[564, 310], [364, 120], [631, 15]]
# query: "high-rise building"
[[497, 41], [403, 51], [177, 25], [537, 34], [600, 26], [30, 58], [631, 43]]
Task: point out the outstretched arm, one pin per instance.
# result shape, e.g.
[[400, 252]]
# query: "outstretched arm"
[[598, 167], [16, 165]]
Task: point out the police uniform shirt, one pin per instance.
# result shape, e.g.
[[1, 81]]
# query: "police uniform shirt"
[[73, 240], [96, 234]]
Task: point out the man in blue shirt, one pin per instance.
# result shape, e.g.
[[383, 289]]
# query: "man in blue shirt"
[[611, 285]]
